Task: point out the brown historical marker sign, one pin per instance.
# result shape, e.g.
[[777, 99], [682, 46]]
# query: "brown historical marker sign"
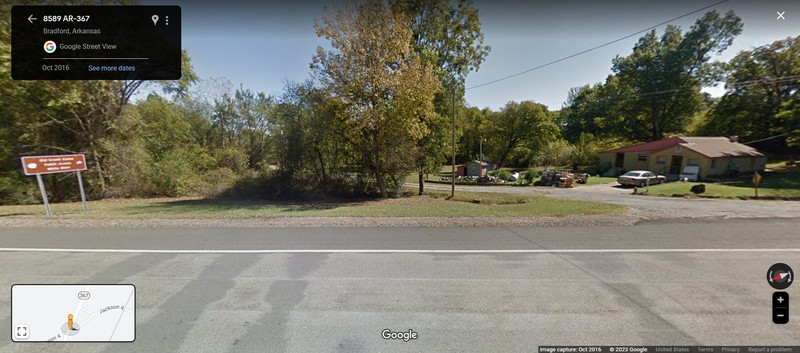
[[53, 164]]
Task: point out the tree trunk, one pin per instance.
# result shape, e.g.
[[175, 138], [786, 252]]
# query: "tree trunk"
[[378, 165], [657, 133], [421, 183], [322, 168], [511, 145], [98, 167], [381, 183]]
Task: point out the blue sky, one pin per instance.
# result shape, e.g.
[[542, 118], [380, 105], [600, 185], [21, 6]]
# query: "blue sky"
[[262, 46]]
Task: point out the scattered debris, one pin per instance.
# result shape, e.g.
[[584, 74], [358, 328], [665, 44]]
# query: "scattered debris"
[[561, 178]]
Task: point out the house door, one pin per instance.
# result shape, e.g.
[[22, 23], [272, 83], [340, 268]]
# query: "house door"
[[675, 165], [619, 160]]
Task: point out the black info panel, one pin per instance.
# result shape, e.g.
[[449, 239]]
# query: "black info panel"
[[96, 42]]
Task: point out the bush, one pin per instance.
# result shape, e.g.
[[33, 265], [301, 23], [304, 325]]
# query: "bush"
[[174, 174], [216, 181], [502, 174], [233, 159], [530, 175], [14, 190], [280, 185], [179, 172], [698, 189]]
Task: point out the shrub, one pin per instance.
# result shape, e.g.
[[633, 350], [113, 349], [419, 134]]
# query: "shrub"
[[216, 181], [233, 159], [698, 189], [15, 190], [502, 174], [530, 175]]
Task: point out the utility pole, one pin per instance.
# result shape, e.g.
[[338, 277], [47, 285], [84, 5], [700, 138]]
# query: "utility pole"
[[481, 150], [453, 179]]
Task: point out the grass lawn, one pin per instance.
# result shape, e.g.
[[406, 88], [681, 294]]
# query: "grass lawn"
[[597, 180], [784, 184], [434, 204]]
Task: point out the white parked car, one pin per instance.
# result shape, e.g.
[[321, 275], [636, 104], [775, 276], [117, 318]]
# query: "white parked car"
[[640, 177]]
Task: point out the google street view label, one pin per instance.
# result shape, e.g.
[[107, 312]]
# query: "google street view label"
[[38, 165]]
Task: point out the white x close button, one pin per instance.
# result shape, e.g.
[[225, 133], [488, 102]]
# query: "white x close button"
[[781, 15]]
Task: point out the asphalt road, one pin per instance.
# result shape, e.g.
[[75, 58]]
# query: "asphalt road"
[[691, 282]]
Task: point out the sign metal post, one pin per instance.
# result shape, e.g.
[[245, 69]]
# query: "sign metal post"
[[44, 195], [83, 194]]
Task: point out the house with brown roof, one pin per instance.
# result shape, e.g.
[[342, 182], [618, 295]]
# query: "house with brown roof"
[[713, 155]]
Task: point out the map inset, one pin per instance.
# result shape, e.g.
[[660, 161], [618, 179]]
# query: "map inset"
[[73, 313]]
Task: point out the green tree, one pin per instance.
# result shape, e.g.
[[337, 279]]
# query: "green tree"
[[761, 99], [472, 137], [555, 152], [14, 132], [383, 88], [180, 88], [660, 82], [447, 36], [308, 145], [240, 123], [588, 110], [791, 114], [162, 127], [585, 151], [526, 124], [152, 150]]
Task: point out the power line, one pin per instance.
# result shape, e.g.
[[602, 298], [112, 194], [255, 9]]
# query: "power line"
[[596, 47], [768, 138], [764, 81], [734, 85]]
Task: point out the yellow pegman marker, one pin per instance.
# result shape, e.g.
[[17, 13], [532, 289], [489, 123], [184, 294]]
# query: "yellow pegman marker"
[[69, 321]]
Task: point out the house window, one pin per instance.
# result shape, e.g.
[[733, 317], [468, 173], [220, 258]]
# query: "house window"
[[642, 158], [661, 160], [713, 163]]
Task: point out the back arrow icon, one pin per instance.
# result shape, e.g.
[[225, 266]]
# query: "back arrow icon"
[[31, 18]]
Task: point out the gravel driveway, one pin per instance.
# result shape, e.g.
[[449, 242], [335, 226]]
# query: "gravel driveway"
[[653, 207]]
